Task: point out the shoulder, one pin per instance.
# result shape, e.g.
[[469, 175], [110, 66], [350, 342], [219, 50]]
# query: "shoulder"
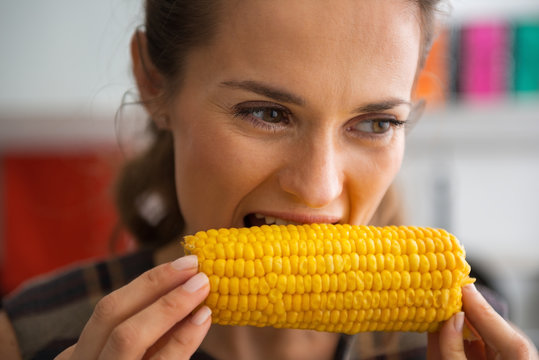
[[80, 282], [48, 314]]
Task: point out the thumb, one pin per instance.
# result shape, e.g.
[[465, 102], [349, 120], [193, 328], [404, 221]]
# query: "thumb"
[[451, 343]]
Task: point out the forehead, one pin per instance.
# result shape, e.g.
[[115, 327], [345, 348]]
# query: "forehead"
[[342, 43], [346, 19]]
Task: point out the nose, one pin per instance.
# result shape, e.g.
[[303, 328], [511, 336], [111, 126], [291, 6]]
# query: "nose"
[[313, 173]]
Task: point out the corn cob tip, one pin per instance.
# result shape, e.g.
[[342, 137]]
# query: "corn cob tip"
[[187, 247]]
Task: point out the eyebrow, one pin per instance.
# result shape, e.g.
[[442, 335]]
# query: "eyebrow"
[[387, 104], [265, 90], [284, 96]]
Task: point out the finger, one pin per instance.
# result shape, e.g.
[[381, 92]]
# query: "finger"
[[433, 346], [475, 349], [474, 346], [533, 349], [128, 300], [136, 335], [450, 340], [183, 340], [449, 336], [494, 330]]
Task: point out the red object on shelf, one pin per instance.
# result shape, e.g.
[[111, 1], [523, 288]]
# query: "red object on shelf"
[[57, 209]]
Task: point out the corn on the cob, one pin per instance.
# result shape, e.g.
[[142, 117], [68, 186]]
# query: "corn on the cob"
[[338, 278]]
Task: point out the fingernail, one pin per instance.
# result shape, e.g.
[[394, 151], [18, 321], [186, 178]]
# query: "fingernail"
[[470, 287], [196, 282], [185, 262], [458, 321], [201, 315]]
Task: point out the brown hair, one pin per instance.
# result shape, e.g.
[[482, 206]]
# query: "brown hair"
[[173, 28]]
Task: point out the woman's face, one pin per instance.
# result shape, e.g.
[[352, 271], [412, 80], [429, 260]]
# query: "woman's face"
[[294, 112]]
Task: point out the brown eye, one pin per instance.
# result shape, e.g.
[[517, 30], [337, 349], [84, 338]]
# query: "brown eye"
[[269, 115], [375, 126], [263, 115]]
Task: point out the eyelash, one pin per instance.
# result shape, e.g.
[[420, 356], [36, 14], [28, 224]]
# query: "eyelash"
[[246, 112], [377, 118], [373, 137]]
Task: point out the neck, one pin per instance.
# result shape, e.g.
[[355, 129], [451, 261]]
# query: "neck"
[[246, 342]]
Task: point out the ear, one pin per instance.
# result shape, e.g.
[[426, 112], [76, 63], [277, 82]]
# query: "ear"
[[149, 80]]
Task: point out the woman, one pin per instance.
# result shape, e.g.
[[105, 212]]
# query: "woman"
[[267, 112]]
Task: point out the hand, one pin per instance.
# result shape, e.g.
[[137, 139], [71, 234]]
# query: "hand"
[[498, 339], [149, 317]]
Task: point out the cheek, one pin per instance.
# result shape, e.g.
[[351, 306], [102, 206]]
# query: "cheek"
[[215, 170], [203, 176], [371, 179]]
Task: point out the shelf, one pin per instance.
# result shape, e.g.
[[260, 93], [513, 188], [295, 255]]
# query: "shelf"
[[55, 130], [509, 122]]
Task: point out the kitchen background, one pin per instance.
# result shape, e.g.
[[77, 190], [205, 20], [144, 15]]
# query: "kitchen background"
[[472, 162]]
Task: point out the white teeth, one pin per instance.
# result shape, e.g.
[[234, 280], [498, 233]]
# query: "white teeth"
[[270, 220]]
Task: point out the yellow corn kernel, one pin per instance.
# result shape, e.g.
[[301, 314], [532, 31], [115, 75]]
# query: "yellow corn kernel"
[[326, 277]]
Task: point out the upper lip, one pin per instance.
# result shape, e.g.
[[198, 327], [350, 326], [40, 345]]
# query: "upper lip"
[[301, 218]]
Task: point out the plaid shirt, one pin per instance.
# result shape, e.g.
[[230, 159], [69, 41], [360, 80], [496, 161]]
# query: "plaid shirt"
[[49, 314]]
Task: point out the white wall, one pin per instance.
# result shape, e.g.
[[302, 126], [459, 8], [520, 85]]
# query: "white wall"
[[64, 67], [64, 52], [464, 10]]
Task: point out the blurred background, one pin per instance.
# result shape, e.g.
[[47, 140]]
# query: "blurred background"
[[472, 161]]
